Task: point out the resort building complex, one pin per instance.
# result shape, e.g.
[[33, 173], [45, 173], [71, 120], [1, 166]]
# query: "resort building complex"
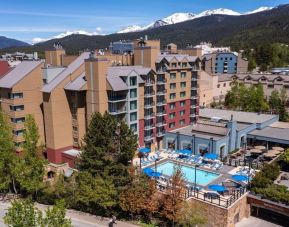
[[153, 92]]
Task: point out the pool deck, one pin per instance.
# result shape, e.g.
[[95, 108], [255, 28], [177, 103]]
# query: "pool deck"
[[224, 172]]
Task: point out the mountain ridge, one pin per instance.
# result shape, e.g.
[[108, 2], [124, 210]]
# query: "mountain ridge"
[[6, 42]]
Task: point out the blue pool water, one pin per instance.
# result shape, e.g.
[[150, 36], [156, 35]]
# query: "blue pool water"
[[203, 177]]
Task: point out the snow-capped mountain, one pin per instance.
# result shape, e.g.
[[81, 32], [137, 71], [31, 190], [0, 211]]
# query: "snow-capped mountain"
[[220, 11], [133, 28], [261, 9], [181, 17]]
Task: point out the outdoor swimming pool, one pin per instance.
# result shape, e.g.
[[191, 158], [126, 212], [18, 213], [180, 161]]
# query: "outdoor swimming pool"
[[203, 177]]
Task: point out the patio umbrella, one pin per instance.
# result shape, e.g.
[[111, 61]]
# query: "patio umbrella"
[[216, 187], [256, 151], [148, 170], [260, 147], [211, 156], [144, 150], [154, 174], [278, 148], [239, 178]]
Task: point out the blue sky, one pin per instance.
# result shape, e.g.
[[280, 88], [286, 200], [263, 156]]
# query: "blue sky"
[[28, 19]]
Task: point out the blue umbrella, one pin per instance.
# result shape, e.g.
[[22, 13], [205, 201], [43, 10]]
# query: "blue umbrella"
[[144, 150], [239, 178], [211, 156], [216, 187], [154, 174], [147, 170], [185, 152]]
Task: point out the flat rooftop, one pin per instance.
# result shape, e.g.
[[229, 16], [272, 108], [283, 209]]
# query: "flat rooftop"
[[203, 131], [239, 116], [272, 133]]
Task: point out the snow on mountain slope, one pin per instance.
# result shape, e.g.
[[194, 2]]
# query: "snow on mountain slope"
[[220, 11], [133, 28], [261, 9]]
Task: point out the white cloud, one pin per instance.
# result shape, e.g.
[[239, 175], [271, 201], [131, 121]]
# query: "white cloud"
[[98, 31]]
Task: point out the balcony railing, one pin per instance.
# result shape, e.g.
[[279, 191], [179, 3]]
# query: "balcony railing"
[[149, 116], [117, 112], [148, 138], [149, 83], [162, 103], [162, 92], [117, 99], [149, 105], [194, 88], [149, 94], [161, 134], [161, 82], [149, 127], [160, 114], [161, 124], [194, 79]]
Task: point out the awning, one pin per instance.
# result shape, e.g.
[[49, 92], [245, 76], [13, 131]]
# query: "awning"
[[147, 170], [218, 188], [211, 156], [185, 152], [144, 150]]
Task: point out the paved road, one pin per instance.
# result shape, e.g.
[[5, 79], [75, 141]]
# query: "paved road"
[[78, 219], [255, 222]]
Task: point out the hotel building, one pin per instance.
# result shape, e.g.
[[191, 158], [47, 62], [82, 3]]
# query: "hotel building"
[[152, 92]]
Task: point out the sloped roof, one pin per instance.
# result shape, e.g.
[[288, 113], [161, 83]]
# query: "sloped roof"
[[65, 73], [18, 73], [77, 84], [116, 83], [178, 57]]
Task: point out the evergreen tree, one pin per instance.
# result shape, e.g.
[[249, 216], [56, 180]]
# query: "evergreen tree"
[[275, 101], [7, 156], [108, 149]]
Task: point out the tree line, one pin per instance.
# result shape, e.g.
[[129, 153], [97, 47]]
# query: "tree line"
[[267, 55], [105, 184], [252, 99]]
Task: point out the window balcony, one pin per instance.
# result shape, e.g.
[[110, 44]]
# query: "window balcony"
[[149, 94], [117, 112], [160, 114], [162, 92], [149, 105], [161, 124], [193, 106], [149, 83], [148, 138], [161, 82], [162, 103], [117, 99], [161, 134], [194, 88], [149, 116], [149, 127]]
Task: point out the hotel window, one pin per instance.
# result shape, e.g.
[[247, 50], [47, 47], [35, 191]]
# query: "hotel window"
[[218, 86], [133, 93], [133, 127], [182, 103], [182, 112], [18, 95], [133, 105], [173, 86], [75, 140], [18, 120], [182, 122], [172, 106], [133, 116], [172, 125], [74, 128], [183, 94], [184, 64], [172, 115], [172, 95], [270, 86], [286, 86], [183, 84], [173, 76], [132, 81], [17, 108], [174, 65], [224, 85], [183, 75]]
